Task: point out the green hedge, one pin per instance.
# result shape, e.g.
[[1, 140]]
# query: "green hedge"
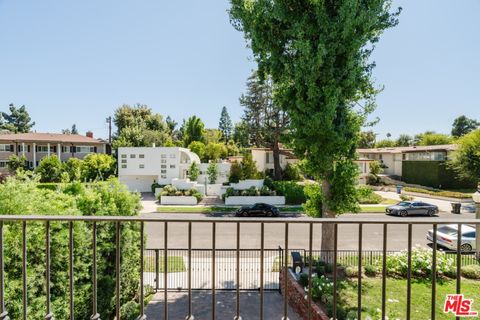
[[435, 174], [292, 191]]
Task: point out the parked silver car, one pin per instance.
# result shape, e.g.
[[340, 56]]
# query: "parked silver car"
[[447, 236], [405, 208]]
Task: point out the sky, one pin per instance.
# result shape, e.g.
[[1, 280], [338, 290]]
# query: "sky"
[[77, 61]]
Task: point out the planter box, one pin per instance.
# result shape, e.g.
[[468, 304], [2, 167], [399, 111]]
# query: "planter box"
[[246, 200], [181, 200]]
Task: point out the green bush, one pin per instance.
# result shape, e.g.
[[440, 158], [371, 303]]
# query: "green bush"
[[155, 185], [471, 271], [303, 279], [293, 192], [291, 173], [351, 272], [366, 195], [172, 191], [313, 205], [48, 186], [440, 193], [112, 198], [405, 197], [370, 270]]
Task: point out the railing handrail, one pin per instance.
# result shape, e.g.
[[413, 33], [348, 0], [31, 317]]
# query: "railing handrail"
[[238, 219]]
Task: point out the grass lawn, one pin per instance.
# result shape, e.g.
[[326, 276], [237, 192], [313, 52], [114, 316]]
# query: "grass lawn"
[[174, 264], [206, 210], [372, 209], [397, 297]]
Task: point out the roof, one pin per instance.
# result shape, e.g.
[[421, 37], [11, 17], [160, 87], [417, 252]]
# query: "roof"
[[47, 137], [442, 147]]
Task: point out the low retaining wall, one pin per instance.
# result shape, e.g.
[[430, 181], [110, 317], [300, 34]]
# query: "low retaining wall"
[[246, 200], [180, 200], [296, 299]]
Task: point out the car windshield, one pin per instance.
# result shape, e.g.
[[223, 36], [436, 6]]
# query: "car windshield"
[[448, 230], [403, 204]]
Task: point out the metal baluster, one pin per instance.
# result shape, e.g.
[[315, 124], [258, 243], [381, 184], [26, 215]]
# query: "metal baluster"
[[95, 314], [434, 272], [142, 249], [49, 315], [165, 270], [335, 245], [237, 316], [3, 311], [24, 265], [409, 271], [310, 265], [190, 311], [262, 262], [285, 277], [157, 270], [70, 271], [384, 270], [359, 292], [459, 259], [117, 270], [213, 270]]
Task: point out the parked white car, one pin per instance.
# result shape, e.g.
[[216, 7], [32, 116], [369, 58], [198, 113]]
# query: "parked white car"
[[447, 236]]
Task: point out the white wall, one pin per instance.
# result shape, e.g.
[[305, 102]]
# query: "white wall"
[[241, 200], [223, 172], [138, 183], [182, 200], [246, 184]]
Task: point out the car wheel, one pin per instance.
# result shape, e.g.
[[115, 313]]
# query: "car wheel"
[[245, 214], [269, 214], [465, 247], [403, 213], [431, 213]]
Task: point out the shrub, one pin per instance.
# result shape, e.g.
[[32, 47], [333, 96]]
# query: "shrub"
[[172, 191], [322, 289], [291, 173], [303, 279], [236, 173], [370, 270], [351, 272], [373, 180], [193, 171], [313, 205], [440, 193], [155, 185], [471, 271], [366, 196], [49, 169], [405, 197], [293, 192]]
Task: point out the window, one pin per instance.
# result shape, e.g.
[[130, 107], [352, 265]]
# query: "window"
[[172, 166], [172, 156], [164, 161], [163, 156], [3, 164], [141, 156], [124, 156], [133, 156], [404, 156], [163, 166], [141, 166], [84, 149], [469, 234], [163, 171], [124, 160], [163, 176], [124, 166], [5, 148], [43, 148], [23, 148]]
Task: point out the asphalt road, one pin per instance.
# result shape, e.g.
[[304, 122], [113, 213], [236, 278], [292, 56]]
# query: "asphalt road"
[[298, 233]]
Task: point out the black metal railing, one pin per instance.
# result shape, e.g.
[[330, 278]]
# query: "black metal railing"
[[216, 257]]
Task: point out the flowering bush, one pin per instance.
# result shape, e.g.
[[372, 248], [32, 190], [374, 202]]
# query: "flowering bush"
[[321, 290], [397, 264]]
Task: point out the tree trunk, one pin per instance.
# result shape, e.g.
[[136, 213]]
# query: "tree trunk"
[[277, 169], [327, 229]]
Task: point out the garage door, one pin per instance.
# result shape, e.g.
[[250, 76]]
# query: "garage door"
[[138, 183]]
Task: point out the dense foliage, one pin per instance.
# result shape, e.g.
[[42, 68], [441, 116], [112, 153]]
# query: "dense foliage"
[[17, 120], [172, 191], [292, 191], [112, 198], [466, 159]]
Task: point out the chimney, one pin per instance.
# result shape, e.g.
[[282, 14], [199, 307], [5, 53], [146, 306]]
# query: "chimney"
[[89, 134]]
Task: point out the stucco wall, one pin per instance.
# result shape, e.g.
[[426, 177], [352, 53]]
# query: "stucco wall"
[[246, 200]]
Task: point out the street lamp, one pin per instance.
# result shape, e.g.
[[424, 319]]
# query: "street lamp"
[[476, 199]]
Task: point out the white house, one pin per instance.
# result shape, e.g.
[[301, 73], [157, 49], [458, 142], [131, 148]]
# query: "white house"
[[140, 167], [263, 157]]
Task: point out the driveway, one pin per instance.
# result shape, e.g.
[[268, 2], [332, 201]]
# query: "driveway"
[[149, 203]]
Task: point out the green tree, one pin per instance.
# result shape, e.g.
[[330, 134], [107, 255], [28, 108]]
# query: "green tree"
[[466, 158], [367, 139], [240, 134], [430, 138], [404, 140], [249, 167], [193, 130], [317, 55], [267, 123], [232, 149], [213, 136], [236, 173], [215, 151], [98, 166], [212, 172], [73, 130], [73, 167], [17, 121], [193, 172], [199, 148], [225, 125], [463, 125], [385, 143], [292, 172], [50, 169], [15, 163]]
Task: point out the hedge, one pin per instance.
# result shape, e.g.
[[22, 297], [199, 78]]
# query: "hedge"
[[435, 174], [293, 192]]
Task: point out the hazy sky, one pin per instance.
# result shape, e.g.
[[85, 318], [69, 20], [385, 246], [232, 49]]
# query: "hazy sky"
[[76, 61]]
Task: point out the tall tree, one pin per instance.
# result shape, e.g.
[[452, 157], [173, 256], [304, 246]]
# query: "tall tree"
[[463, 125], [73, 130], [225, 125], [466, 159], [17, 120], [317, 54], [431, 138], [367, 139], [404, 140], [267, 123], [240, 134], [193, 130]]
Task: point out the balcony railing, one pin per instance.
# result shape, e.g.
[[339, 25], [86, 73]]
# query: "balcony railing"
[[260, 282]]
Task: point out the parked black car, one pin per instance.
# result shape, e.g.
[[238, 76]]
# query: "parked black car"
[[405, 208], [258, 209]]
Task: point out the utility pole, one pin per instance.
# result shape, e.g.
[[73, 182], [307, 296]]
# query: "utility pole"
[[109, 121]]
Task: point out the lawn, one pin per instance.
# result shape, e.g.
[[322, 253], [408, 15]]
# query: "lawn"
[[396, 297], [207, 210], [372, 209], [174, 264]]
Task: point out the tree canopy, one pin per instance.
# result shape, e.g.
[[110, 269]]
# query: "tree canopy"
[[17, 120], [193, 130], [225, 125], [466, 159], [463, 125]]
